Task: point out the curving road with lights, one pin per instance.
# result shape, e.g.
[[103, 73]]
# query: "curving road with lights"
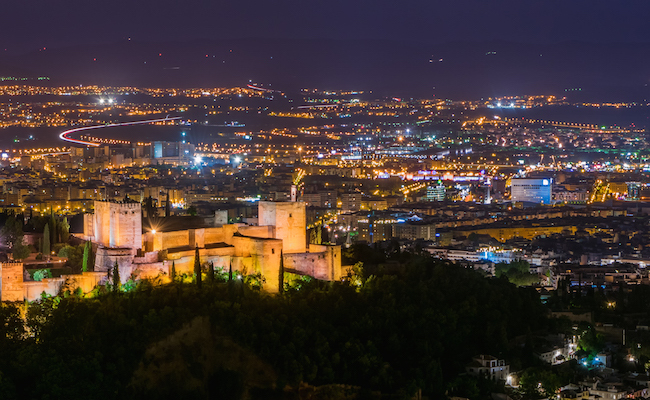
[[64, 134]]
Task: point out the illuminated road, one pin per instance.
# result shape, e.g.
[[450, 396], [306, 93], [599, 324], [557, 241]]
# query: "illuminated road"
[[64, 135]]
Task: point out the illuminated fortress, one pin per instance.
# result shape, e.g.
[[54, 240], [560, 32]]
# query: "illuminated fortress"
[[279, 241], [282, 233]]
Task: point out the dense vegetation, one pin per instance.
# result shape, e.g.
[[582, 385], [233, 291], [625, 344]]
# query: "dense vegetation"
[[412, 328]]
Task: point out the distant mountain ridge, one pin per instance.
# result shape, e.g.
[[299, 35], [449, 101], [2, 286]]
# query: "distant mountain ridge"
[[608, 72]]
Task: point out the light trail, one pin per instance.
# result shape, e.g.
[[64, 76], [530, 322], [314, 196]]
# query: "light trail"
[[64, 134], [320, 106], [258, 88]]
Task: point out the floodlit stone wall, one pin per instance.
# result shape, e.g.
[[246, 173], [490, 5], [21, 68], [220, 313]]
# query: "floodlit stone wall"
[[260, 256], [15, 289], [118, 224], [221, 234], [12, 281], [105, 259], [322, 262], [173, 239], [264, 232], [248, 249], [290, 222]]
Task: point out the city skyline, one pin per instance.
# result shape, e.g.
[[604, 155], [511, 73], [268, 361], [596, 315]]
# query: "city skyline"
[[344, 199]]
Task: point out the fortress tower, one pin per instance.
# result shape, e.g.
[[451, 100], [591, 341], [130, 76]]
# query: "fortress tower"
[[117, 228], [290, 221], [118, 224]]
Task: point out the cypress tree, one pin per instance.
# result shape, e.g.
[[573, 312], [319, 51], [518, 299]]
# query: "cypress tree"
[[281, 274], [46, 242], [53, 229], [197, 267], [211, 272], [173, 273], [86, 258], [230, 271], [168, 207], [116, 277], [65, 230]]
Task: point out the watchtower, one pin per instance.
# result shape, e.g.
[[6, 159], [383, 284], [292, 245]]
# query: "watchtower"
[[118, 224], [290, 221]]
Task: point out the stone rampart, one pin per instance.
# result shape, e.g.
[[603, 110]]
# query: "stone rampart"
[[322, 262], [12, 288], [264, 257], [15, 289]]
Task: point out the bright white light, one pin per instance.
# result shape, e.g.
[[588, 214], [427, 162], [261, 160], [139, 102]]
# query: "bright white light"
[[5, 156], [110, 101], [153, 231], [237, 160], [101, 101]]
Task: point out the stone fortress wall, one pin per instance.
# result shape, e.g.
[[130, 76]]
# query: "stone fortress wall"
[[15, 288], [281, 239], [117, 224]]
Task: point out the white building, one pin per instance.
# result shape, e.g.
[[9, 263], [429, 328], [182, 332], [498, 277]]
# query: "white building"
[[531, 190], [488, 366]]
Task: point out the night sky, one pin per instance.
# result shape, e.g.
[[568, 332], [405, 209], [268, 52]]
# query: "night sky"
[[30, 24]]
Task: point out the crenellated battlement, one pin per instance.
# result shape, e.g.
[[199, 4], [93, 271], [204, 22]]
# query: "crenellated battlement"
[[9, 264], [11, 281], [118, 224]]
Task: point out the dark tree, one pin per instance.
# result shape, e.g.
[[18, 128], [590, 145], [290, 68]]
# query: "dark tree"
[[116, 277], [173, 272], [149, 208], [53, 229], [281, 274], [211, 272], [12, 231], [86, 256], [64, 229], [168, 206], [197, 267], [46, 242]]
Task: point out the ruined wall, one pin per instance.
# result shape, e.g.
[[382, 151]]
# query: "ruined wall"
[[322, 262], [290, 221], [12, 287], [105, 259]]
